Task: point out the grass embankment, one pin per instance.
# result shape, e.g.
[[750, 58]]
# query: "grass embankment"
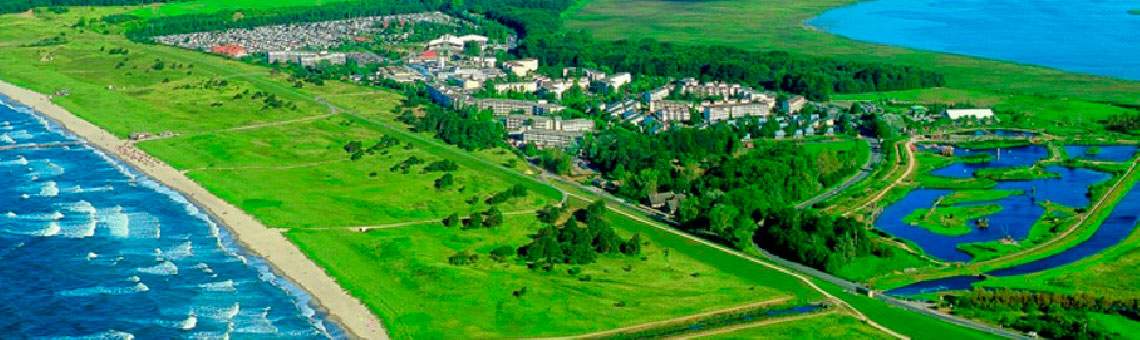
[[288, 168], [952, 221], [825, 326], [1045, 98], [915, 325]]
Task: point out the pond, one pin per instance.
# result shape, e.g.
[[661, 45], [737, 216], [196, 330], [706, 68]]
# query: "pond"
[[1000, 158], [1119, 224], [1018, 213], [1107, 153]]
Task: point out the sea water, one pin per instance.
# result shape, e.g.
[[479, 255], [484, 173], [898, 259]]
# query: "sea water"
[[1089, 36], [92, 248]]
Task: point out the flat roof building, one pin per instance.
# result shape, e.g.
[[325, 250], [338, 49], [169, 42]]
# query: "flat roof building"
[[955, 114]]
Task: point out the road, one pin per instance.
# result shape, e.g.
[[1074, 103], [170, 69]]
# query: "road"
[[868, 167], [792, 268]]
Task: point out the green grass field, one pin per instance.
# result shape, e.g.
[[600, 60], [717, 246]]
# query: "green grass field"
[[1047, 98], [829, 326], [404, 276]]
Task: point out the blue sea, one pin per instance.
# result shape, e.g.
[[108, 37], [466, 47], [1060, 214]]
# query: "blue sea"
[[90, 248], [1088, 36]]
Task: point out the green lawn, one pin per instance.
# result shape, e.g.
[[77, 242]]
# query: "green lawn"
[[403, 275], [830, 326], [970, 196], [1046, 98]]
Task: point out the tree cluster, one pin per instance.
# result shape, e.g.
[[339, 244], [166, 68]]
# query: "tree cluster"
[[815, 240], [469, 129], [575, 244], [1050, 315], [813, 77], [16, 6]]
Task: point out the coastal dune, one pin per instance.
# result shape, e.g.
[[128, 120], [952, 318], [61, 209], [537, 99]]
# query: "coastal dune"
[[267, 243]]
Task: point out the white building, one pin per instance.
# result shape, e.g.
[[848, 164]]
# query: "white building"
[[521, 86], [521, 67], [618, 80], [956, 114]]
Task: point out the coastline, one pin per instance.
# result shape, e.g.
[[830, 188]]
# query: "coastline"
[[269, 244]]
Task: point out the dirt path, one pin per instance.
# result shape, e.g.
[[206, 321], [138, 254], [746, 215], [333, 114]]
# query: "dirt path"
[[763, 323], [683, 319], [271, 245], [911, 165]]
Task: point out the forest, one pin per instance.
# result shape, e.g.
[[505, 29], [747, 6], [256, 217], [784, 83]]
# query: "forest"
[[729, 188], [15, 6], [819, 241], [813, 77], [1050, 315]]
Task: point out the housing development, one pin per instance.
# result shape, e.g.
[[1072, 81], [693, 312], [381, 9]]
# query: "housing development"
[[487, 169]]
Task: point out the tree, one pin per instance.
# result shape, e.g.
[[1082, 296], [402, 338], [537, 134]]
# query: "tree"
[[633, 246], [721, 219], [493, 218], [451, 220], [445, 182]]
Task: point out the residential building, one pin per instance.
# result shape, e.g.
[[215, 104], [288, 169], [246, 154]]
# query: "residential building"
[[521, 86], [795, 104], [230, 50], [671, 110], [543, 138], [578, 125], [618, 80], [521, 67], [659, 93]]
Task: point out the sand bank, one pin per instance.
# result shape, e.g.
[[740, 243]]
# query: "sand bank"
[[267, 243]]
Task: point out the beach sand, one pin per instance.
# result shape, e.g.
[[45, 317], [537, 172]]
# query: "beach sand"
[[267, 243]]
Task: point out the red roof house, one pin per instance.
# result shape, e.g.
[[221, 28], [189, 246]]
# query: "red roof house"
[[230, 50]]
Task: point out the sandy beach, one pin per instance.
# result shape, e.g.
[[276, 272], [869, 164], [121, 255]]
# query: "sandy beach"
[[267, 243]]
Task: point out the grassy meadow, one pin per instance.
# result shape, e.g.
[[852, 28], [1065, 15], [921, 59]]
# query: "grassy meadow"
[[1046, 98]]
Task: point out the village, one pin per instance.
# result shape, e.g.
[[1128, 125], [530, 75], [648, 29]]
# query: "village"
[[472, 70]]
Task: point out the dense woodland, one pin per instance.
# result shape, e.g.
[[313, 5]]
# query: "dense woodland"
[[819, 241], [814, 77], [731, 190], [14, 6], [1050, 315]]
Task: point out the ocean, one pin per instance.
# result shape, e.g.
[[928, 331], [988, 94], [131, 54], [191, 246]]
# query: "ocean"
[[90, 248], [1087, 36]]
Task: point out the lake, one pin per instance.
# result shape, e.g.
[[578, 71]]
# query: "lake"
[[1095, 37], [93, 249]]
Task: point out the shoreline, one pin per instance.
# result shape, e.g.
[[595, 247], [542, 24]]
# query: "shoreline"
[[269, 244]]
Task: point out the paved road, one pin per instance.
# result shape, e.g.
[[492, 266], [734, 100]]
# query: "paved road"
[[868, 167]]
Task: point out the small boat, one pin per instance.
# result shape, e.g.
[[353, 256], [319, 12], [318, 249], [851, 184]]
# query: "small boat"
[[982, 223]]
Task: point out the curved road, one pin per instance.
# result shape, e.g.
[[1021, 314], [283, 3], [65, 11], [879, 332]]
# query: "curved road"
[[868, 167]]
